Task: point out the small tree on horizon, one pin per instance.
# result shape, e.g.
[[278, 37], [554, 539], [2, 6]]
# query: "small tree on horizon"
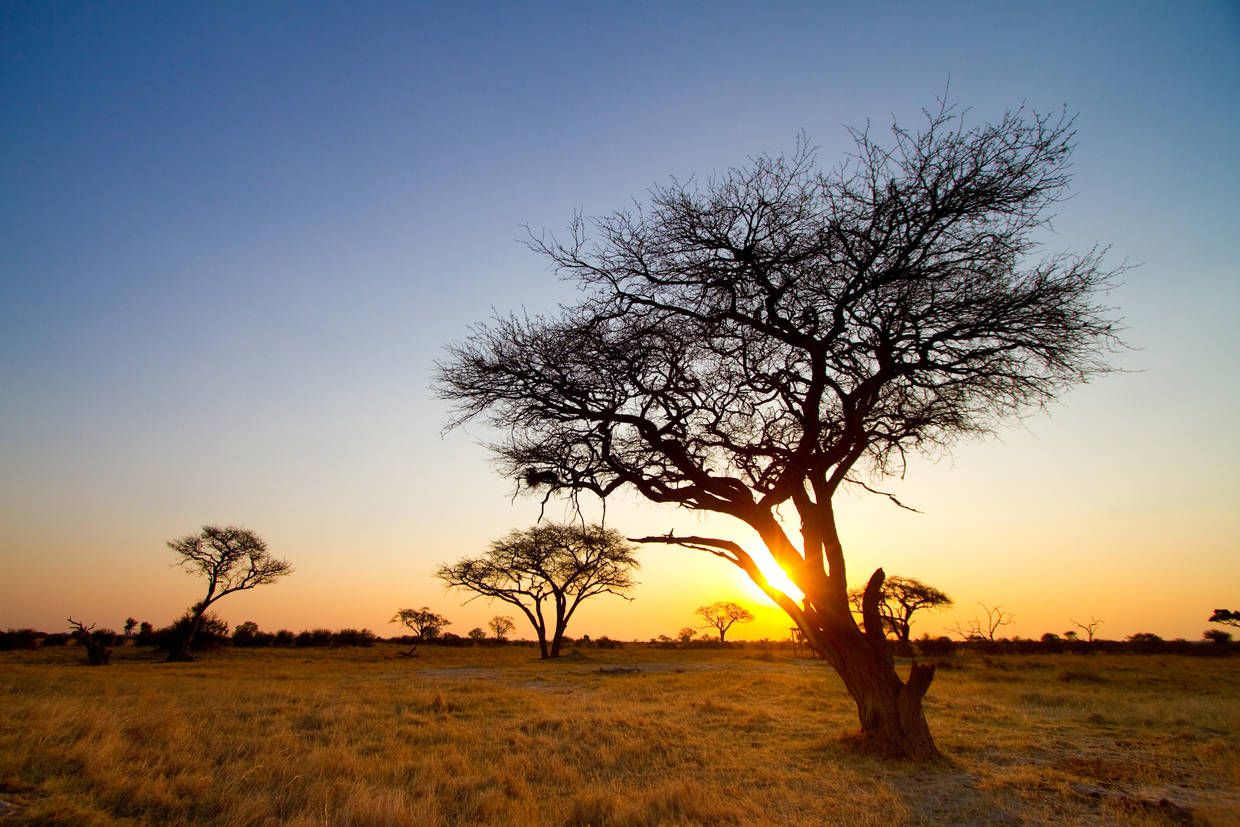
[[425, 625], [979, 629], [547, 571], [1090, 628], [231, 559], [97, 652], [501, 626], [722, 615]]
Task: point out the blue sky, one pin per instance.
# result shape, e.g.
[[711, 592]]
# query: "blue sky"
[[233, 239]]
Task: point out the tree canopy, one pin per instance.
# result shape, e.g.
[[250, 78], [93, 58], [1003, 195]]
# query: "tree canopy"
[[547, 571]]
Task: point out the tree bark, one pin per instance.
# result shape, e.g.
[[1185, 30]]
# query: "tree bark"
[[893, 722]]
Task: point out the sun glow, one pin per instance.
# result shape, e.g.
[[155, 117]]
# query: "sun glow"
[[775, 576]]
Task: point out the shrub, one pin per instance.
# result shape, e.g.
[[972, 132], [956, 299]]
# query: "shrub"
[[355, 637], [212, 632]]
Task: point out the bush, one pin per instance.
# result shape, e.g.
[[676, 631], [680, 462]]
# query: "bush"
[[313, 637], [212, 633], [607, 643], [936, 646], [355, 637], [23, 639]]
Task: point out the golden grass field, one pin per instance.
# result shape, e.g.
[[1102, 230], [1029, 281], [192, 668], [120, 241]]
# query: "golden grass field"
[[493, 736]]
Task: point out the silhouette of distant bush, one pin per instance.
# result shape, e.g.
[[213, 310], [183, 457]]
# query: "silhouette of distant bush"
[[355, 637], [936, 646], [607, 643], [21, 639], [211, 634]]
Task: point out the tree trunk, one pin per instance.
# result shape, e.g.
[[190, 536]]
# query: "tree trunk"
[[179, 652], [893, 722], [557, 638], [543, 652]]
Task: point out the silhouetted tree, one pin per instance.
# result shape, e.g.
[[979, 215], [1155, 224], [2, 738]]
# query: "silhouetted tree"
[[1217, 636], [1088, 628], [978, 629], [477, 634], [130, 624], [1228, 617], [146, 634], [685, 635], [768, 336], [245, 634], [97, 652], [425, 625], [231, 559], [723, 615], [546, 572], [899, 599], [500, 626]]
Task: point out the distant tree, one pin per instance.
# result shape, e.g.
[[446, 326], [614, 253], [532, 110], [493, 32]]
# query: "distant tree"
[[1229, 617], [231, 559], [758, 340], [686, 634], [146, 634], [723, 615], [979, 629], [1071, 634], [1089, 628], [97, 653], [245, 634], [130, 625], [1217, 636], [425, 625], [899, 599], [501, 626], [546, 572], [477, 634]]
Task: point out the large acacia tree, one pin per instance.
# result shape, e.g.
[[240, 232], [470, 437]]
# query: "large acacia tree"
[[767, 336], [546, 572]]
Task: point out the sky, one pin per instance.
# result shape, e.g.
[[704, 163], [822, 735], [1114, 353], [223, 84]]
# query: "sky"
[[235, 237]]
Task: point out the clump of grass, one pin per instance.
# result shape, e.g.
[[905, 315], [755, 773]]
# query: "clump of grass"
[[1081, 676]]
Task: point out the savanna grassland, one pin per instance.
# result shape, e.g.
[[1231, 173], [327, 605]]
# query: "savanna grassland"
[[637, 735]]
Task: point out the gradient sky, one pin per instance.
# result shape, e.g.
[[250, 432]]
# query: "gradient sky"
[[234, 237]]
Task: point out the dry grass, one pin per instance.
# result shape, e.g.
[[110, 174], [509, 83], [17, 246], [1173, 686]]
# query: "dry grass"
[[492, 736]]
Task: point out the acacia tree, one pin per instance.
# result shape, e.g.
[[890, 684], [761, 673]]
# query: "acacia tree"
[[546, 572], [899, 599], [501, 626], [723, 615], [425, 625], [1227, 617], [774, 333], [232, 559]]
